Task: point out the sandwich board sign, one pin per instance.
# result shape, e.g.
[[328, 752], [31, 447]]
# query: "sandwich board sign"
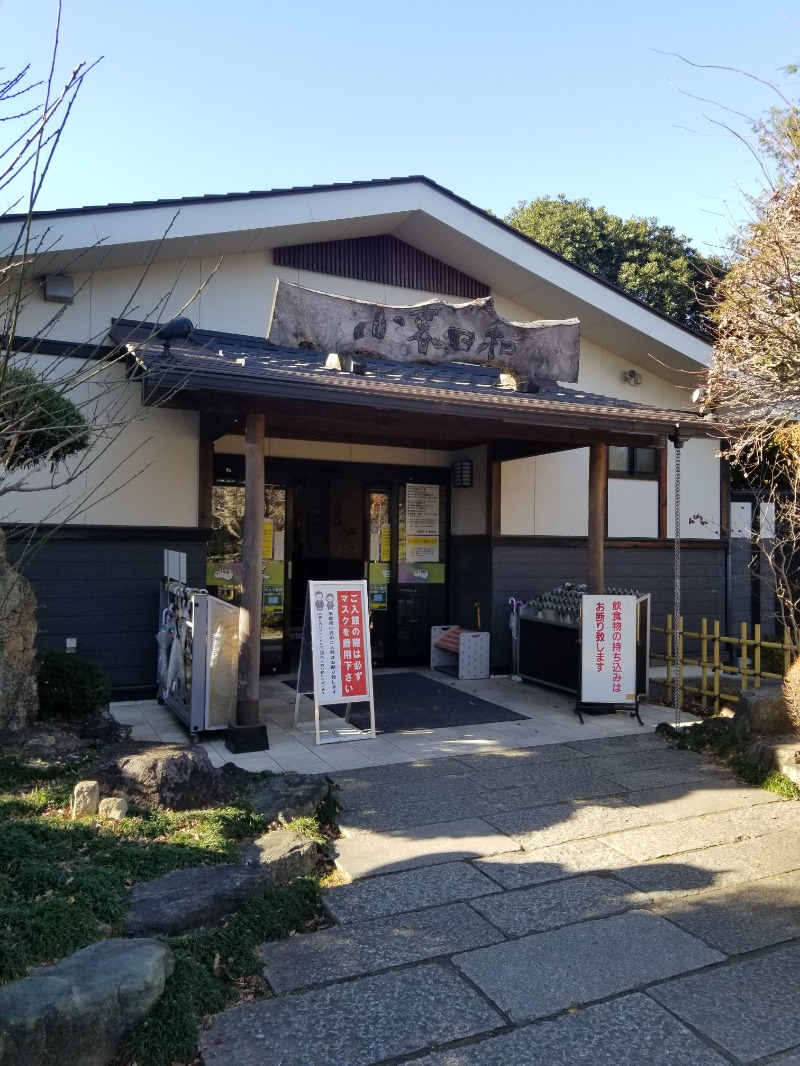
[[608, 652], [336, 633]]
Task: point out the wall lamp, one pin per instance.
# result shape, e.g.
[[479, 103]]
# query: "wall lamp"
[[462, 474]]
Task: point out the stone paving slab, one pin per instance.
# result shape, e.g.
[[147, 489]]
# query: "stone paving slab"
[[519, 869], [540, 777], [743, 918], [398, 810], [544, 793], [645, 740], [645, 759], [411, 890], [509, 759], [549, 906], [674, 802], [356, 950], [539, 827], [792, 1059], [366, 854], [722, 827], [660, 776], [400, 774], [548, 972], [631, 1031], [356, 1023], [751, 1007], [719, 867]]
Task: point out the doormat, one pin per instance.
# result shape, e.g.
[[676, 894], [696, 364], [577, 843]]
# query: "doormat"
[[411, 701]]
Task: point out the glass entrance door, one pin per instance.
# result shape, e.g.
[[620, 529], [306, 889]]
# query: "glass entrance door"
[[382, 599], [224, 563]]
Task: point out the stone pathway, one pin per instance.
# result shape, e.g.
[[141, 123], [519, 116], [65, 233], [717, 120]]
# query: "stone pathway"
[[609, 901]]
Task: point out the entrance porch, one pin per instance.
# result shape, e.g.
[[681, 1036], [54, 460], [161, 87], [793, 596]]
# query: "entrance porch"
[[548, 719]]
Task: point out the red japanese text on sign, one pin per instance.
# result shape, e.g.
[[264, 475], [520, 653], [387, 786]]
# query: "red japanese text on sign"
[[351, 644]]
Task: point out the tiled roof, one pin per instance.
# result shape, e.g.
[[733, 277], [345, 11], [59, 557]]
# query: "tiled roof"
[[228, 362]]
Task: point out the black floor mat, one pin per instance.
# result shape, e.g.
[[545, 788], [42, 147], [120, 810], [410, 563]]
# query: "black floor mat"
[[411, 701]]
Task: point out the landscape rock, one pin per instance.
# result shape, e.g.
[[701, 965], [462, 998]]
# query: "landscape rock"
[[762, 712], [162, 776], [780, 753], [186, 899], [113, 808], [85, 799], [285, 796], [63, 743], [75, 1012]]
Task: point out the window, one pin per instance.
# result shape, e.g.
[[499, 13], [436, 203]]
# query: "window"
[[633, 462]]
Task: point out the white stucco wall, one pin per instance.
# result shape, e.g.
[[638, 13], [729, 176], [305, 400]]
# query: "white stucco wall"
[[142, 470], [546, 496], [700, 490], [632, 508]]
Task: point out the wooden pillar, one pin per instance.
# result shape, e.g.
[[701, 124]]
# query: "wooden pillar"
[[494, 497], [598, 502], [247, 734]]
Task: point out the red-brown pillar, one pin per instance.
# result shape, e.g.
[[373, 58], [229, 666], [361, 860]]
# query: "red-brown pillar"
[[247, 733]]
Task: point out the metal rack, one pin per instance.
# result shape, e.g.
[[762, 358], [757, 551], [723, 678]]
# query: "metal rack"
[[198, 641]]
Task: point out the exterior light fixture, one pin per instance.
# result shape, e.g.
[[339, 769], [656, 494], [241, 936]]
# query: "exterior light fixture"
[[462, 474]]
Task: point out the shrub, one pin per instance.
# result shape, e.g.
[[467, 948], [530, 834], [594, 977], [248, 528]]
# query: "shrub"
[[791, 693], [70, 687], [772, 658]]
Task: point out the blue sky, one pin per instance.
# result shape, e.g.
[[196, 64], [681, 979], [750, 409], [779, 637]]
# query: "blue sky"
[[497, 101]]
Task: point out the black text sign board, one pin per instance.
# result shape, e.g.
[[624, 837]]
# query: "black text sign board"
[[337, 628]]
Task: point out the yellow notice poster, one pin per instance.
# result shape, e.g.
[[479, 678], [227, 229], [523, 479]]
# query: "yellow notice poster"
[[268, 537], [422, 549], [386, 544]]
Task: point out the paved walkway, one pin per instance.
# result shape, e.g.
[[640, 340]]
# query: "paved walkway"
[[595, 901]]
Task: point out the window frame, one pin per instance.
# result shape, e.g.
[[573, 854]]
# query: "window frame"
[[634, 471]]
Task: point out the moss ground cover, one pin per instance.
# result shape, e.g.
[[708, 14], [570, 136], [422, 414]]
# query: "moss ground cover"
[[64, 884]]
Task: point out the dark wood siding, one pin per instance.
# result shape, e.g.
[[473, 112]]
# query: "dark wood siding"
[[524, 571], [105, 592], [386, 260], [470, 583]]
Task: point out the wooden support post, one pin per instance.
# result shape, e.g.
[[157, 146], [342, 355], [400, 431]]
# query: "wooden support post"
[[493, 495], [247, 734], [598, 497]]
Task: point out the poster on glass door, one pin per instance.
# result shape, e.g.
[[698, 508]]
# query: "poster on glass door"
[[340, 641], [422, 523]]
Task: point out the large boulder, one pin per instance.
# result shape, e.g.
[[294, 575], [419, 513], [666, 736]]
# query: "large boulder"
[[762, 711], [75, 1012], [186, 899], [281, 797], [19, 700], [162, 776]]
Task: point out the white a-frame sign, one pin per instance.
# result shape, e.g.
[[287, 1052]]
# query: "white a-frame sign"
[[336, 626]]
